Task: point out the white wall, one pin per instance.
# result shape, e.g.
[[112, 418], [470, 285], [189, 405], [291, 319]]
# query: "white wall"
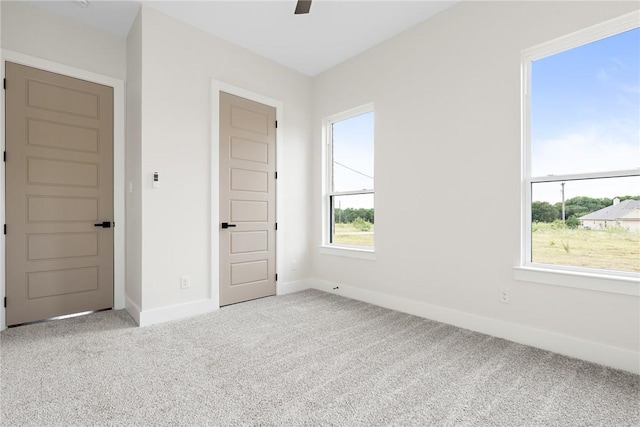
[[30, 30], [447, 105], [178, 63], [133, 167]]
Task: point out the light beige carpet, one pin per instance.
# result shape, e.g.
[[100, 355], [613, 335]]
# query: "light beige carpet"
[[309, 358]]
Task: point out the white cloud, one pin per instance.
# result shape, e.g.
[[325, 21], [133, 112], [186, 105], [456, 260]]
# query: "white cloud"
[[634, 89], [602, 75], [588, 151]]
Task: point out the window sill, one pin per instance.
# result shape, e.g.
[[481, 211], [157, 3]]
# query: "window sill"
[[343, 251], [581, 280]]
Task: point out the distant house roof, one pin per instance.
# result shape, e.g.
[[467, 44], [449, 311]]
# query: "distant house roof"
[[614, 212]]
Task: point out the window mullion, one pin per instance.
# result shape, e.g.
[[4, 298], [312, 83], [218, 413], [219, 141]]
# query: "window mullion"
[[589, 175], [351, 193]]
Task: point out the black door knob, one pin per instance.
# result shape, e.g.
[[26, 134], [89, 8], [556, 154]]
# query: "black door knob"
[[227, 225], [105, 224]]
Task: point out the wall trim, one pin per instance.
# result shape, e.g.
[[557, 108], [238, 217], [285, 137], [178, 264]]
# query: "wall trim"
[[133, 309], [295, 286], [175, 312], [591, 351], [118, 166], [218, 86]]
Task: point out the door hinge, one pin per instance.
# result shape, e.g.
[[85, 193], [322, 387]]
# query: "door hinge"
[[276, 281], [276, 175], [4, 156], [276, 124], [5, 302], [276, 225], [5, 229], [4, 83]]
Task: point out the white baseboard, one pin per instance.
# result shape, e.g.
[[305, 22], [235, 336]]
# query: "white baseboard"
[[133, 310], [175, 312], [614, 357], [295, 286]]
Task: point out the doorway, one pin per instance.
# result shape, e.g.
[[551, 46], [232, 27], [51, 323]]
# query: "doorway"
[[247, 199], [59, 195]]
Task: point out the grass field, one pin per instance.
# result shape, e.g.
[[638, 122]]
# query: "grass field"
[[346, 234], [607, 249]]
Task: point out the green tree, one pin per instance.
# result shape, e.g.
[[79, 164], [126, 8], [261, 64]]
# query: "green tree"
[[581, 205], [361, 224], [543, 212], [348, 215], [572, 222]]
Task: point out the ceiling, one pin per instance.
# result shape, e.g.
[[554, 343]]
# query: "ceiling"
[[334, 30]]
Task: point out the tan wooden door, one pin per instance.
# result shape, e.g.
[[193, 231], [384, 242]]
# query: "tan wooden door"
[[247, 199], [59, 185]]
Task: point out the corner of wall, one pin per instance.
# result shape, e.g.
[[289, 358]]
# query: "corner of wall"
[[133, 168], [133, 309], [294, 286]]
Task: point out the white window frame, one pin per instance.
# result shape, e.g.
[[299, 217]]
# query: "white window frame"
[[611, 281], [327, 247]]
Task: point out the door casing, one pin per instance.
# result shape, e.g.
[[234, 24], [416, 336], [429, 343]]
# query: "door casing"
[[118, 165], [217, 87]]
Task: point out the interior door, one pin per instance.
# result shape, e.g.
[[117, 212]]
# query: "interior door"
[[59, 195], [247, 199]]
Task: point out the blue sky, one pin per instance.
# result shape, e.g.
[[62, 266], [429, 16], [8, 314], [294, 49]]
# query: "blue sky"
[[585, 116], [353, 153]]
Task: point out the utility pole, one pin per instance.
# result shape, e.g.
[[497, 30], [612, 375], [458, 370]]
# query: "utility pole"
[[562, 185]]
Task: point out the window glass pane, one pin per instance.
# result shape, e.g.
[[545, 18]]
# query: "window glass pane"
[[353, 153], [585, 108], [353, 220], [601, 228]]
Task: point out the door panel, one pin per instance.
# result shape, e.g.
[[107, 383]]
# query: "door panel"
[[56, 135], [245, 211], [248, 241], [54, 96], [247, 199], [245, 180], [247, 118], [249, 272], [244, 149], [61, 245], [60, 209], [59, 183], [60, 282], [61, 173]]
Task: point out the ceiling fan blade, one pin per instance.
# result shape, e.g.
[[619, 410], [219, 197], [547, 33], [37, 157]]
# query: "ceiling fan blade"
[[303, 7]]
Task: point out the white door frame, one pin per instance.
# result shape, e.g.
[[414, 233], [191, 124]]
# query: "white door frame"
[[217, 87], [118, 167]]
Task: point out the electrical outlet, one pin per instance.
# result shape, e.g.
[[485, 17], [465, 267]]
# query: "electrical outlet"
[[505, 295], [294, 265], [185, 282]]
